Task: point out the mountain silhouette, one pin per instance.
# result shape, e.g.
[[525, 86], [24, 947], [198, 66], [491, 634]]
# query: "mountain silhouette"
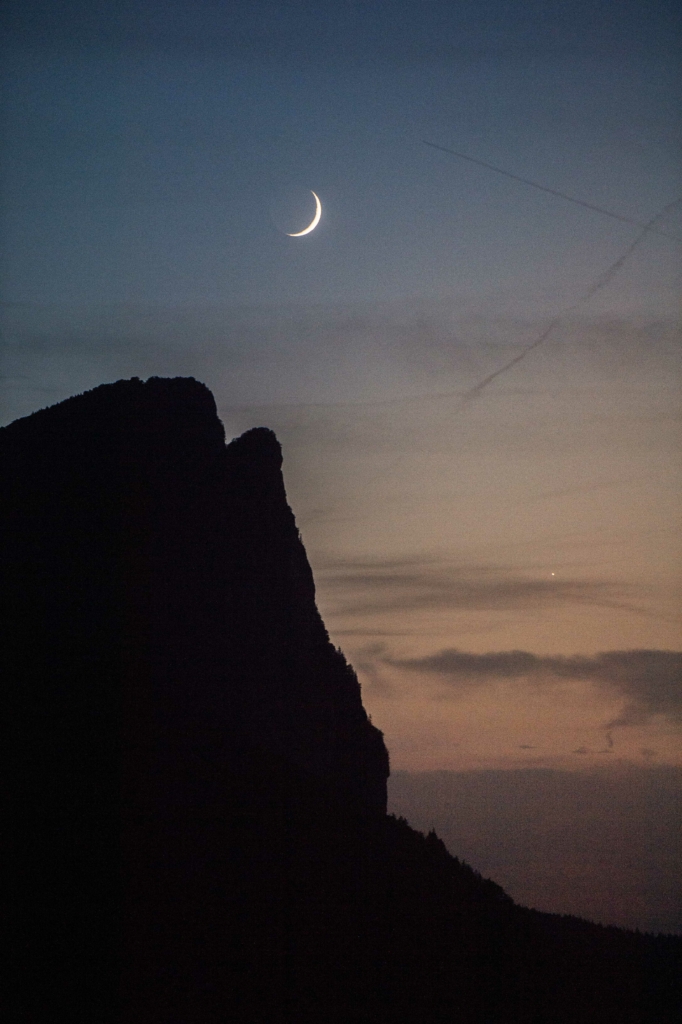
[[198, 803]]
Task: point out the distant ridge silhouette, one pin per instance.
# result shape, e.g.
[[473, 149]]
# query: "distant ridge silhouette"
[[198, 815]]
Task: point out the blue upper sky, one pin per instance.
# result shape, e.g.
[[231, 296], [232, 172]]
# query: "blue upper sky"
[[148, 145]]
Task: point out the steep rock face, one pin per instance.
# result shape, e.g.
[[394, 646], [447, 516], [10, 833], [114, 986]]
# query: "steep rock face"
[[198, 819], [164, 576], [171, 697]]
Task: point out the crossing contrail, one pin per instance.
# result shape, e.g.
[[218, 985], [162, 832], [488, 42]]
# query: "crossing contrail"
[[473, 392], [596, 286], [552, 191]]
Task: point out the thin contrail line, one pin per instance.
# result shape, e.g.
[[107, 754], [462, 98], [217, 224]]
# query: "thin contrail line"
[[600, 283], [472, 393], [550, 191]]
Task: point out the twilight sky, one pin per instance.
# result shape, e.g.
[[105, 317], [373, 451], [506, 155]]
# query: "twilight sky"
[[501, 564]]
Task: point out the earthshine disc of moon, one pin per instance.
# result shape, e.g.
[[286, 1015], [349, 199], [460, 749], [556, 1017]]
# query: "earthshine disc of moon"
[[314, 222]]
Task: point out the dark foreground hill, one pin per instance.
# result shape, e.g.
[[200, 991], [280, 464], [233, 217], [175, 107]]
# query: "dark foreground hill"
[[198, 814]]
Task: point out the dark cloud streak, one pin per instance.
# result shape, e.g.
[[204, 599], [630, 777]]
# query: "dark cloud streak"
[[649, 681], [416, 585]]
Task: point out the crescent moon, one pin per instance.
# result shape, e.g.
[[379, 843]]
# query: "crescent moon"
[[314, 222]]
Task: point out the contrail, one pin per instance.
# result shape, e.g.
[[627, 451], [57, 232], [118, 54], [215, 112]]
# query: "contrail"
[[600, 283], [550, 191], [597, 285]]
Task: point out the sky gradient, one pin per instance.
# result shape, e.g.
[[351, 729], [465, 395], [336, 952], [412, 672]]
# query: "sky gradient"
[[500, 563]]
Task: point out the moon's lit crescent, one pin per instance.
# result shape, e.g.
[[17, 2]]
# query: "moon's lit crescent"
[[313, 224]]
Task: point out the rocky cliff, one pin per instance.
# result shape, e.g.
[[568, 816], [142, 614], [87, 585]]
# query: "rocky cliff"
[[197, 815], [161, 572]]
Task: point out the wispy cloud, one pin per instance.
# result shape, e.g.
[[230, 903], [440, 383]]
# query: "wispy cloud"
[[648, 681], [413, 585]]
